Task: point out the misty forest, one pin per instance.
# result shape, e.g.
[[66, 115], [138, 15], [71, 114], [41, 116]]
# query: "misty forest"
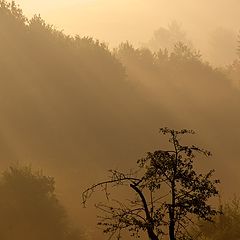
[[117, 142]]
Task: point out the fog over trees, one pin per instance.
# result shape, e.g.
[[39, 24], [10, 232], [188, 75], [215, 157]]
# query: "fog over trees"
[[74, 107], [30, 209]]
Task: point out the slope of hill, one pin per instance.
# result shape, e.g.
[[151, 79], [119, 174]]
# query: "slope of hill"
[[70, 105]]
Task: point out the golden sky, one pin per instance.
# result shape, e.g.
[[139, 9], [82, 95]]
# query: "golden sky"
[[114, 21]]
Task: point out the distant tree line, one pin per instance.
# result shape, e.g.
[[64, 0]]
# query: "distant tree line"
[[65, 97], [75, 89], [30, 209]]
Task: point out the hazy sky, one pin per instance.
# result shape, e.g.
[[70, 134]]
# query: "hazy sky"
[[114, 21]]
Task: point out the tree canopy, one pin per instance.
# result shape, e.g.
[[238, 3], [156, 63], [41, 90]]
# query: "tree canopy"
[[29, 207], [70, 102], [169, 193]]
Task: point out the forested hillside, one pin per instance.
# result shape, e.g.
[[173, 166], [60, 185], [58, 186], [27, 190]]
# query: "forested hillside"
[[71, 105], [62, 97]]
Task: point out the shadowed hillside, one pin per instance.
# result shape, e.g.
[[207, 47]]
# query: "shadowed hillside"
[[62, 96], [71, 105], [194, 93]]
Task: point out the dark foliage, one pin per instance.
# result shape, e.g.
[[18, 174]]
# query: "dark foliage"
[[169, 193], [71, 104], [29, 208]]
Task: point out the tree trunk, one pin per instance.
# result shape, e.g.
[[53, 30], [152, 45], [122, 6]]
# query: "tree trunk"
[[151, 234], [150, 227], [171, 224]]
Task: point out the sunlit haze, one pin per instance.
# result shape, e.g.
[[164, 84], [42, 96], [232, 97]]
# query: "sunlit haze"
[[92, 85], [136, 20]]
